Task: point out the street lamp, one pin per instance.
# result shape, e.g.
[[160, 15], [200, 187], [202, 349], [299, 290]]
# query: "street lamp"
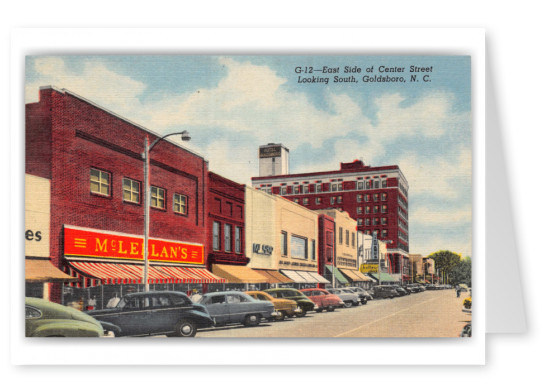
[[147, 149]]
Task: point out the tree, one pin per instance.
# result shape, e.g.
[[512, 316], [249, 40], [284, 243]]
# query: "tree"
[[445, 260], [461, 274]]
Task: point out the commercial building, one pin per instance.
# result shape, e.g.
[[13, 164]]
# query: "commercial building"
[[93, 160], [281, 239], [423, 269], [345, 268], [376, 197]]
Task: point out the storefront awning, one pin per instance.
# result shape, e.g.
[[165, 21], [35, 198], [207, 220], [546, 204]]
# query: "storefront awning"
[[239, 274], [125, 273], [319, 278], [385, 277], [350, 274], [293, 275], [362, 276], [338, 275], [273, 276], [307, 277], [37, 271]]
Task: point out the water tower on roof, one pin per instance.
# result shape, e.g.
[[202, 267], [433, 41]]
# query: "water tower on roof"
[[273, 160]]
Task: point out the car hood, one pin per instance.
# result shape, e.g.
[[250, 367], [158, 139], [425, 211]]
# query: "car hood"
[[283, 301]]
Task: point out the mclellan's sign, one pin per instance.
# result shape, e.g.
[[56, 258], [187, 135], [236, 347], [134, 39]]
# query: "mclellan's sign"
[[81, 242]]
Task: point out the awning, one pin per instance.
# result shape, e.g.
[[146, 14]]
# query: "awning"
[[273, 276], [385, 277], [319, 278], [350, 274], [362, 276], [37, 271], [307, 277], [338, 275], [239, 274], [125, 273], [293, 275]]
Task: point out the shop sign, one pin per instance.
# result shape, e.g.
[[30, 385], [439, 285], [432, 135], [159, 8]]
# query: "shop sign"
[[262, 249], [369, 268], [102, 244]]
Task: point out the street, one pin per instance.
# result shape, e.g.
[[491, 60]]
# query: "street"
[[426, 314]]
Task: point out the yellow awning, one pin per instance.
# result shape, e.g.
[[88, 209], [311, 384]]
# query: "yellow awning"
[[43, 271], [273, 276], [239, 274], [350, 274]]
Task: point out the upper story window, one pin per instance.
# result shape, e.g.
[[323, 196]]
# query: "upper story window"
[[376, 184], [238, 236], [283, 190], [340, 186], [229, 208], [366, 198], [360, 221], [383, 196], [359, 210], [218, 205], [239, 211], [216, 236], [305, 201], [100, 182], [347, 237], [296, 190], [353, 239], [384, 208], [368, 185], [284, 251], [339, 200], [305, 189], [318, 200], [332, 200], [227, 238], [157, 197], [334, 187], [131, 190], [376, 209], [340, 235], [375, 197], [360, 185], [296, 200], [318, 188], [180, 204], [313, 249], [359, 198], [383, 183]]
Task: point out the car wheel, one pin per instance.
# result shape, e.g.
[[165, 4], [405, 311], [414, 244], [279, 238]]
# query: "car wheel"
[[301, 314], [356, 303], [252, 320], [330, 309], [319, 310], [347, 304], [281, 316], [364, 301], [187, 328]]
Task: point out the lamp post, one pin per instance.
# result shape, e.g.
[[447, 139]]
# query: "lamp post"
[[147, 204]]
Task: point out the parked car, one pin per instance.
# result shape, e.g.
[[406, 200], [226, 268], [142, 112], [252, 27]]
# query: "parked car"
[[304, 303], [384, 292], [237, 307], [408, 289], [401, 291], [430, 287], [468, 303], [284, 307], [46, 319], [365, 296], [150, 313], [466, 332], [348, 297], [323, 299], [414, 288]]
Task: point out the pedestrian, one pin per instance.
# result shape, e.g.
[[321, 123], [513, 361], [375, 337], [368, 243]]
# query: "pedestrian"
[[92, 302], [458, 290]]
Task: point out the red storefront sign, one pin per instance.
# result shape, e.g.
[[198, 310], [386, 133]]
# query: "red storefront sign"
[[101, 244]]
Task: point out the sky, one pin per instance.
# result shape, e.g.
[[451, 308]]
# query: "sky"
[[232, 104]]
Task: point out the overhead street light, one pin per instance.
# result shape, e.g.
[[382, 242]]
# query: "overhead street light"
[[147, 204]]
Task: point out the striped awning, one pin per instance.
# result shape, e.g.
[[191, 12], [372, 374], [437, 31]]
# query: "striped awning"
[[319, 278], [293, 275], [307, 277], [126, 273], [273, 276]]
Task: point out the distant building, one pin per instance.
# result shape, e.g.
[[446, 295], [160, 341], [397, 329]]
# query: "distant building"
[[376, 197]]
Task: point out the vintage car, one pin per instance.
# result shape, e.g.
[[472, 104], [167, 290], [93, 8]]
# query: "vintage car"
[[384, 292], [46, 319], [237, 307], [365, 296], [323, 299], [149, 313], [284, 307], [347, 296], [400, 290], [304, 303]]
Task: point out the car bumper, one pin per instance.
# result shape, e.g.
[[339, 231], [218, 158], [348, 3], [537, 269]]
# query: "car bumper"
[[298, 311]]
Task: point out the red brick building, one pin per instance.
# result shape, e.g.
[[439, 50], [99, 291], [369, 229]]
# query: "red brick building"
[[326, 246], [376, 197], [225, 222], [93, 158]]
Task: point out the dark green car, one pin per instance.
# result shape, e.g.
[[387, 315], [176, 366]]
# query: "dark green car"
[[46, 319], [304, 303]]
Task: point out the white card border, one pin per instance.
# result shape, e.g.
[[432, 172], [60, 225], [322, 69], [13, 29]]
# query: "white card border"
[[444, 351]]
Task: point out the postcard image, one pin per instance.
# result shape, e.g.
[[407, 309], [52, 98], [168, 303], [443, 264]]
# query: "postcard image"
[[248, 196]]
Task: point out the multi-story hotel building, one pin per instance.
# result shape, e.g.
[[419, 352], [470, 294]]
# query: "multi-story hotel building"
[[376, 197]]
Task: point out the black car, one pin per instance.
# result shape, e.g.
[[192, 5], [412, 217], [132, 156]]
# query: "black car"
[[149, 313], [384, 292], [364, 295], [401, 291]]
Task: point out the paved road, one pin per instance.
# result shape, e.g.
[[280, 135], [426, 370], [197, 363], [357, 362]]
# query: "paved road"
[[426, 314]]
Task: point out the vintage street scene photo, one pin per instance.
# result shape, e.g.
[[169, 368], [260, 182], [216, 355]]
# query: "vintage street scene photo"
[[248, 196]]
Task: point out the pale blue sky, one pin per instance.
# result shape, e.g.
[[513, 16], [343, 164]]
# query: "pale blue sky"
[[232, 104]]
